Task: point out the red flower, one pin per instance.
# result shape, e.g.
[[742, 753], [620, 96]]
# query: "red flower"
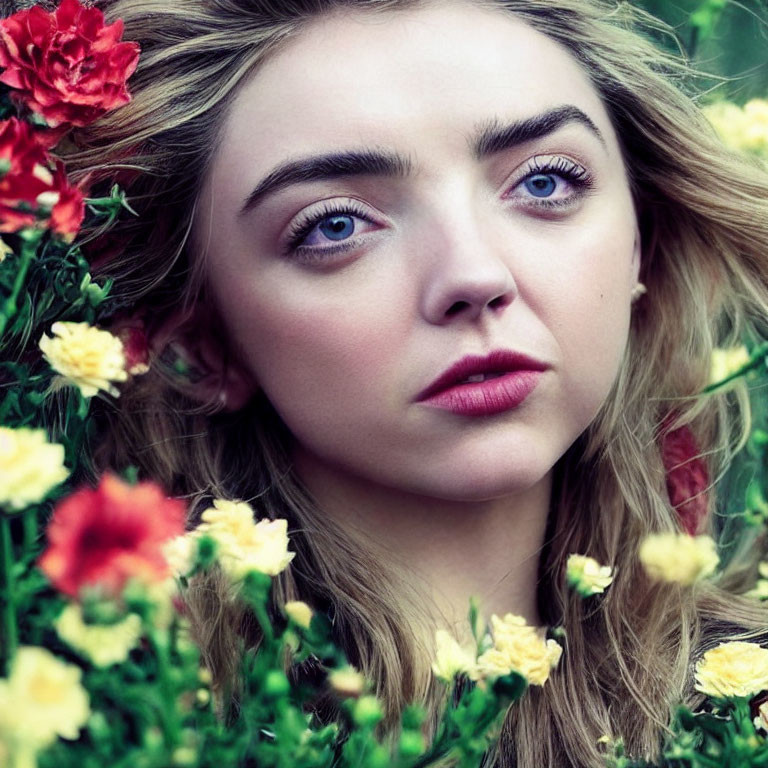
[[67, 65], [687, 477], [34, 190], [135, 347], [104, 537]]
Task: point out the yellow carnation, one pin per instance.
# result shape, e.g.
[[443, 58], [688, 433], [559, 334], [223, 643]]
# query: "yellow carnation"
[[299, 612], [103, 644], [85, 356], [520, 648], [678, 557], [586, 575], [244, 545], [733, 669], [451, 659], [725, 362], [30, 466], [41, 699]]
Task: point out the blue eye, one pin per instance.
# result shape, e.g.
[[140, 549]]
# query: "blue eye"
[[337, 227], [541, 185]]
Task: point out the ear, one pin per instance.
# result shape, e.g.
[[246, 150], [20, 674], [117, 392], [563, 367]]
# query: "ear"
[[195, 353]]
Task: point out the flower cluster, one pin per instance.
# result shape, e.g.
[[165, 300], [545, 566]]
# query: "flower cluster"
[[516, 648], [743, 128], [678, 557], [244, 545]]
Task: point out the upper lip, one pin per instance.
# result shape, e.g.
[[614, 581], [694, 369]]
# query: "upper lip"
[[500, 361]]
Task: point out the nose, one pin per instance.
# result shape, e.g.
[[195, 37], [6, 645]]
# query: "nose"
[[468, 277]]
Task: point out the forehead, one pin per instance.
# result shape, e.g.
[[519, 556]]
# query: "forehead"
[[413, 80]]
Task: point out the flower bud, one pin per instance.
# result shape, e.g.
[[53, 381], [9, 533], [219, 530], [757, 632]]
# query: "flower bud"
[[367, 711], [411, 743], [347, 682], [276, 684]]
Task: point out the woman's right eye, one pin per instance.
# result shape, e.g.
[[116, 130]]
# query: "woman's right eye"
[[327, 231]]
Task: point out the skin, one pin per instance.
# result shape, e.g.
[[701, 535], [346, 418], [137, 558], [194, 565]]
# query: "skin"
[[455, 259]]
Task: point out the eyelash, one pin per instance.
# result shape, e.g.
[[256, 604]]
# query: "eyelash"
[[577, 176]]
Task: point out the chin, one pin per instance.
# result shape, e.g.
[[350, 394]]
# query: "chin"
[[478, 480]]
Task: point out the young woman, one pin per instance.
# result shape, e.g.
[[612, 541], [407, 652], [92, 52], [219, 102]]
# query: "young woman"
[[391, 257]]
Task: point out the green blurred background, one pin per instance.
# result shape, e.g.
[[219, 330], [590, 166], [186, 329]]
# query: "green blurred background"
[[725, 37]]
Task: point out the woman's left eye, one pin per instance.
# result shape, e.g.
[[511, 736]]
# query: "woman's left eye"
[[551, 183]]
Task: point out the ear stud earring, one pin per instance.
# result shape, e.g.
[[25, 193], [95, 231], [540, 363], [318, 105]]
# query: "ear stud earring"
[[637, 292]]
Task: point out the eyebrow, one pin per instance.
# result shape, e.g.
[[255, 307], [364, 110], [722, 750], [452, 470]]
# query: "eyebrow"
[[489, 138]]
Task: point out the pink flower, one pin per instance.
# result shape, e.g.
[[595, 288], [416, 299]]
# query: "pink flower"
[[687, 477]]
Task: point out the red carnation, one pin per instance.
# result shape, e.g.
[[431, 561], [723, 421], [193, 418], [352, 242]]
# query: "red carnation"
[[67, 66], [104, 537], [34, 190], [687, 477]]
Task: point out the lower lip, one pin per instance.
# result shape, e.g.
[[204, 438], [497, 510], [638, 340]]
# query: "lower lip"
[[484, 398]]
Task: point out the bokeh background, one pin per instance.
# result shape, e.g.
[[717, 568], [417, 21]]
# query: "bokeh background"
[[724, 37]]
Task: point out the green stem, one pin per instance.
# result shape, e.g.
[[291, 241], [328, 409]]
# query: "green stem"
[[28, 252], [29, 524], [168, 716], [10, 630]]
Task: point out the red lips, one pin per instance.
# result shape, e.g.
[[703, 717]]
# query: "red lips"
[[501, 361]]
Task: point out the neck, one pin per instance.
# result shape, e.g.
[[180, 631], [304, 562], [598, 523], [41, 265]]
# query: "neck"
[[448, 550]]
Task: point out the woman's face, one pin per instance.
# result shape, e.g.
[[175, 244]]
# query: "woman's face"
[[394, 193]]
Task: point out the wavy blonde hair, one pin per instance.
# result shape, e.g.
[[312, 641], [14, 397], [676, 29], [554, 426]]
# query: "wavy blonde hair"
[[703, 215]]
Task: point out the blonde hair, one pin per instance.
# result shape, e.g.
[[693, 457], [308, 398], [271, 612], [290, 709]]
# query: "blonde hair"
[[703, 216]]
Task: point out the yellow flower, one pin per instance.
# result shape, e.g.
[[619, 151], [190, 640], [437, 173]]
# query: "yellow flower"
[[244, 545], [103, 644], [678, 557], [725, 362], [733, 669], [29, 466], [41, 699], [85, 356], [299, 612], [180, 554], [520, 648], [347, 682], [586, 575], [744, 129], [5, 250], [451, 659]]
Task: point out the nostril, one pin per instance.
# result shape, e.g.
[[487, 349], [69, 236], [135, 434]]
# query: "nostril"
[[456, 307], [499, 302]]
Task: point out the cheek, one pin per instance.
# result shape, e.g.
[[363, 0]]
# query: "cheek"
[[315, 346], [588, 310]]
